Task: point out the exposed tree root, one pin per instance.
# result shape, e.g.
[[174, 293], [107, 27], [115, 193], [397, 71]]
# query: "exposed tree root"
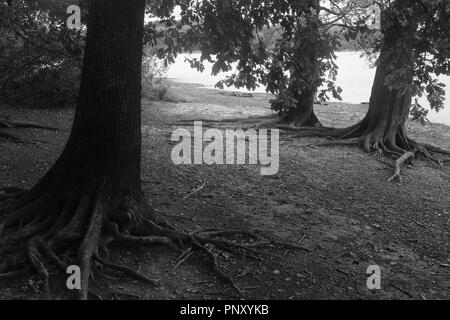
[[8, 124], [129, 271], [398, 163], [392, 143], [118, 293], [194, 192], [436, 150], [13, 274], [11, 194], [302, 120], [262, 122], [10, 137], [185, 256], [51, 229], [38, 263], [235, 123], [247, 120], [332, 142]]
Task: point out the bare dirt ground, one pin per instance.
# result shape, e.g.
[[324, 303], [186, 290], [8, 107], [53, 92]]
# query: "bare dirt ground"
[[334, 201]]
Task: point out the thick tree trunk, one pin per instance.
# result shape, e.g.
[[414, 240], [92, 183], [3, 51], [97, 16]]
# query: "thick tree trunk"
[[385, 122], [93, 192], [103, 153], [104, 146], [305, 79], [8, 124], [388, 114]]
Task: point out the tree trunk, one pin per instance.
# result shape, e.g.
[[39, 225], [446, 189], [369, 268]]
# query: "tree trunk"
[[385, 122], [93, 192], [388, 114], [303, 114], [305, 78], [384, 127], [104, 147]]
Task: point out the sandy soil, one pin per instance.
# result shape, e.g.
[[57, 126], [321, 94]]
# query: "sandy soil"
[[334, 201]]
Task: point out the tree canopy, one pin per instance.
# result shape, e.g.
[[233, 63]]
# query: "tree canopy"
[[229, 33]]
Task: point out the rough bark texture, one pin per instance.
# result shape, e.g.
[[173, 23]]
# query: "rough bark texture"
[[302, 115], [385, 122], [93, 192], [104, 147]]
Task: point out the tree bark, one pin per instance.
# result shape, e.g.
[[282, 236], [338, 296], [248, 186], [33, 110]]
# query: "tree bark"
[[388, 114], [93, 193], [303, 114], [305, 79], [105, 142], [385, 122]]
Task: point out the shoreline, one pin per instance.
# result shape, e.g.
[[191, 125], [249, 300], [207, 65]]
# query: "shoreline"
[[363, 105]]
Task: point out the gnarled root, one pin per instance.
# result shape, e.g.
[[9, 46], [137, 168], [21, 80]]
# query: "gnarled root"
[[8, 124], [398, 163], [11, 194], [52, 229], [10, 137], [393, 142], [233, 123], [261, 122]]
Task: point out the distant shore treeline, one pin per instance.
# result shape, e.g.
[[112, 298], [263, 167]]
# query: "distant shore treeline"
[[270, 35]]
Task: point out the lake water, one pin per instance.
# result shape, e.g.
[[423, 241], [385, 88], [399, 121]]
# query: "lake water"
[[355, 78]]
